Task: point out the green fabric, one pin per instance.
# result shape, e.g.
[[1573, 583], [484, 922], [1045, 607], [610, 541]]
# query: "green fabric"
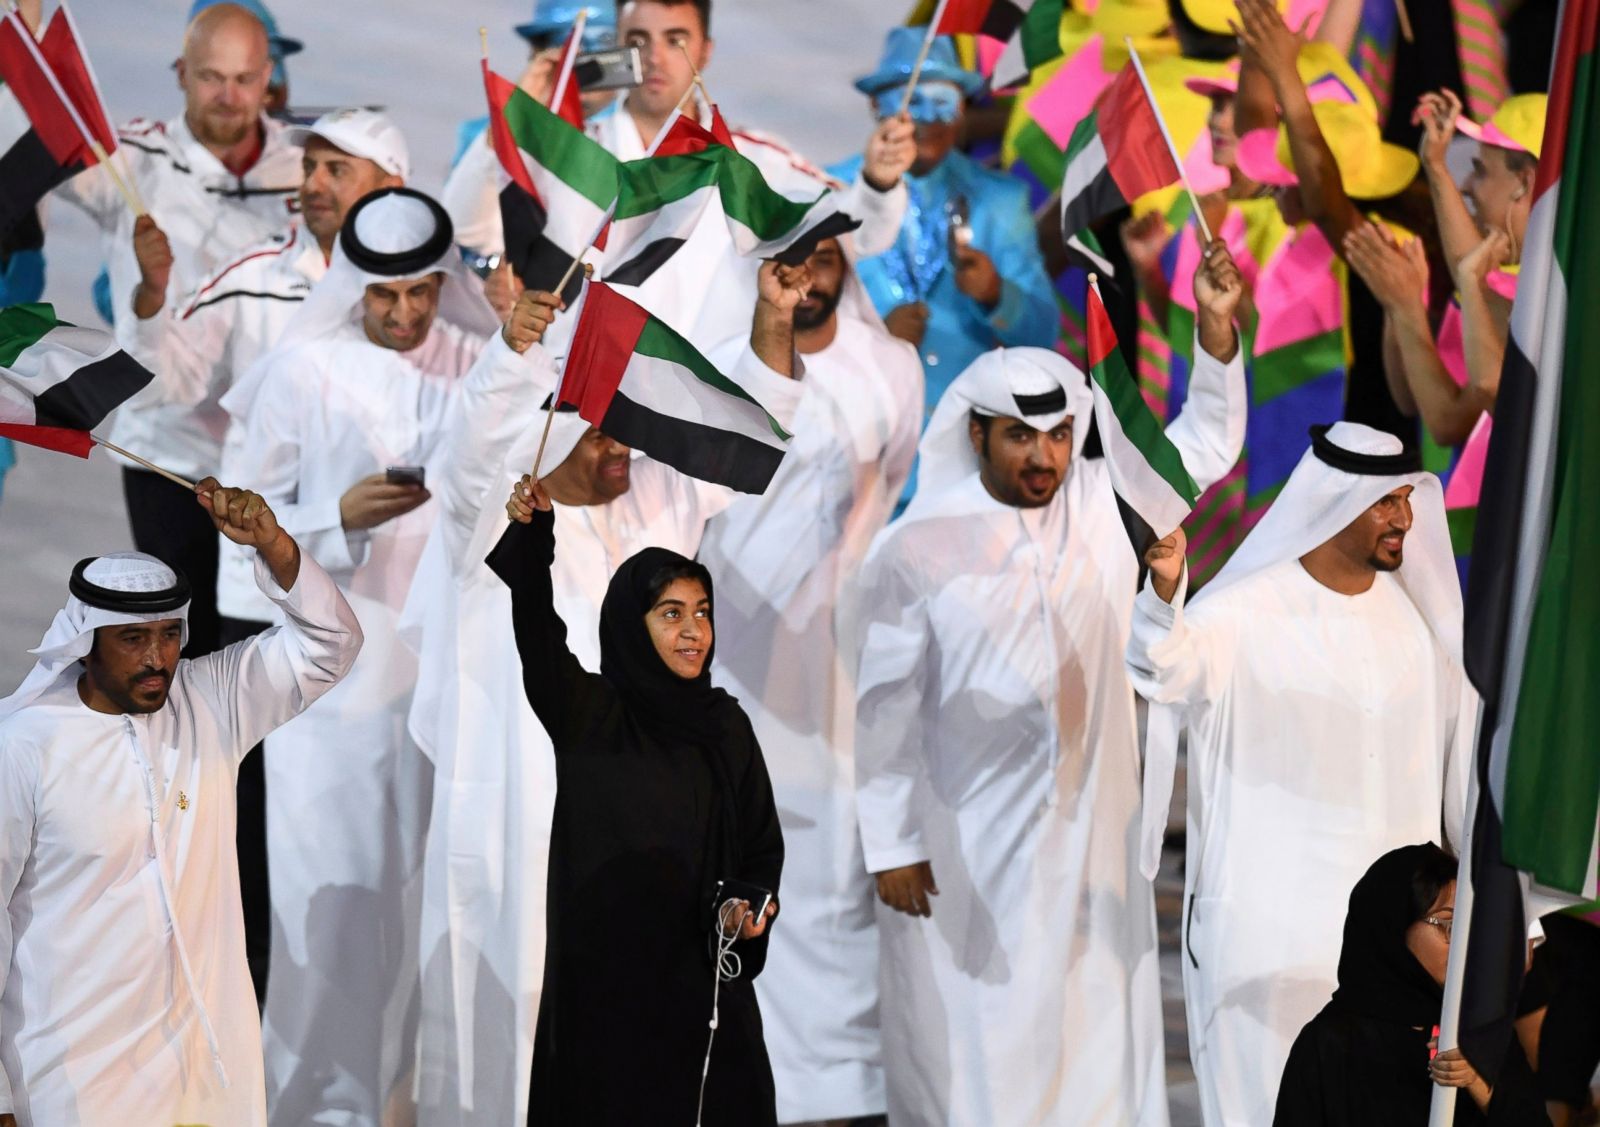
[[570, 156], [660, 342], [651, 184], [22, 327]]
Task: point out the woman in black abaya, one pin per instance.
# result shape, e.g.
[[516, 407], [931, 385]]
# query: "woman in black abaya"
[[661, 793], [1364, 1061]]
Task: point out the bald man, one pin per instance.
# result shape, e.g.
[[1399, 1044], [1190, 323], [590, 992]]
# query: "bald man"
[[217, 179]]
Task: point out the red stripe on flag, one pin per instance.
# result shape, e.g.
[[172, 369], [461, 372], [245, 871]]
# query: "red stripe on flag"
[[499, 92], [1577, 37], [64, 53], [1102, 337], [687, 136], [51, 438], [720, 130], [571, 108], [47, 113], [602, 345], [963, 17], [1136, 153]]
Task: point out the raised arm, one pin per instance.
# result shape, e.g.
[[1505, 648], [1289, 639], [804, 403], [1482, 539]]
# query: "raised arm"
[[1266, 41], [184, 343], [1458, 231], [265, 680], [555, 682], [1209, 431], [878, 195]]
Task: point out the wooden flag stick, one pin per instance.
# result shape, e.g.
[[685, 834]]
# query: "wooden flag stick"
[[483, 42], [134, 203], [1405, 20], [1166, 135], [569, 58], [699, 83], [922, 55], [100, 101], [151, 466], [555, 396]]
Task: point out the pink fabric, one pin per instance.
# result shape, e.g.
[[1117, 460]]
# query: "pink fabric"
[[1300, 295], [989, 52], [1068, 97], [1205, 174], [1466, 480], [1233, 234], [1257, 157]]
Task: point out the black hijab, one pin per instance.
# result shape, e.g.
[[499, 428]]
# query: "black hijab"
[[668, 707], [1379, 977]]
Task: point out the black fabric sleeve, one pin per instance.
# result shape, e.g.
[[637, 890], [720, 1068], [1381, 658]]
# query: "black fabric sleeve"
[[1302, 1101], [1516, 1100], [563, 694], [760, 848]]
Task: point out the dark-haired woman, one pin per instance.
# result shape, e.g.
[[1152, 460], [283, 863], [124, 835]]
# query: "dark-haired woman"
[[661, 794], [1364, 1061]]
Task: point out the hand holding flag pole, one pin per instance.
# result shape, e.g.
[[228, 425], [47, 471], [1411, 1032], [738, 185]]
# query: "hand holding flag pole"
[[1166, 135]]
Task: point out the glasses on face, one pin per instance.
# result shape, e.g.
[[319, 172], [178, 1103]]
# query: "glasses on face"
[[1441, 923]]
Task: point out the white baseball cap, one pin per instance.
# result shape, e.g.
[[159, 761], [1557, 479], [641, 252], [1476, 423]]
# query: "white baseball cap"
[[361, 133]]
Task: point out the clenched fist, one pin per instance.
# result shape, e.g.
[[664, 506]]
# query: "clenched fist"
[[526, 496], [530, 317], [1165, 559]]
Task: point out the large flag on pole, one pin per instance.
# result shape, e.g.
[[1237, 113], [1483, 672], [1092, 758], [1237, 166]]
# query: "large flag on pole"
[[1147, 472], [647, 387], [58, 381], [1533, 611], [559, 185], [1116, 154]]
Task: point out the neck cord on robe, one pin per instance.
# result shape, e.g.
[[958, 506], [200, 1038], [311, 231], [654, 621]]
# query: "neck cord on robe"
[[167, 900]]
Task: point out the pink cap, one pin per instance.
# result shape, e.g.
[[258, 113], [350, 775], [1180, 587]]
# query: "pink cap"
[[1210, 87], [1490, 134], [1257, 157]]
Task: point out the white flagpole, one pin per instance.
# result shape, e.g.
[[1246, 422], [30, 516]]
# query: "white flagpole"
[[72, 111], [1166, 135], [561, 378], [576, 41], [922, 55], [1442, 1110]]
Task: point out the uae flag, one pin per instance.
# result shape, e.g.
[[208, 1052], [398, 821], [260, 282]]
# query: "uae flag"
[[1147, 472], [559, 186], [48, 102], [1532, 641], [57, 381], [651, 239], [664, 196], [1116, 154], [647, 387], [1028, 32], [1035, 41]]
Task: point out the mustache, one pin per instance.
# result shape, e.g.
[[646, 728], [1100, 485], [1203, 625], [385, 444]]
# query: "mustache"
[[166, 678]]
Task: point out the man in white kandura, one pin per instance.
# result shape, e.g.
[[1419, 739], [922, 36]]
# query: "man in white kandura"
[[124, 996], [1318, 677], [782, 561], [220, 177], [997, 752], [361, 384], [483, 926]]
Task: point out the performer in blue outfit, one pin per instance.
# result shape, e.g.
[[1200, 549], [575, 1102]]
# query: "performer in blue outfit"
[[966, 274]]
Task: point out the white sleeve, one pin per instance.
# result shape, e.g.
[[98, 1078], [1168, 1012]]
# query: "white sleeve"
[[188, 354], [94, 193], [777, 394], [881, 214], [472, 198], [1209, 431], [17, 787], [267, 460], [499, 400], [263, 681], [891, 688], [1169, 662], [1461, 728]]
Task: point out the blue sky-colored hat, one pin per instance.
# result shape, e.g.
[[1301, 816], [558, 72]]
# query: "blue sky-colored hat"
[[281, 45], [900, 52], [552, 19]]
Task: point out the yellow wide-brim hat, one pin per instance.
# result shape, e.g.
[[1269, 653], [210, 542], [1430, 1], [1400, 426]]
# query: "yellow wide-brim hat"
[[1369, 167], [1213, 15], [1136, 18], [1517, 125]]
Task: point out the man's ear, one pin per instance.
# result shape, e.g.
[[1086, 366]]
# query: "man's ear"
[[975, 432], [181, 68]]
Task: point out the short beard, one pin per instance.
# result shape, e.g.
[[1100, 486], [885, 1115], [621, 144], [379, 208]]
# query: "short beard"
[[1377, 563], [210, 134], [806, 320]]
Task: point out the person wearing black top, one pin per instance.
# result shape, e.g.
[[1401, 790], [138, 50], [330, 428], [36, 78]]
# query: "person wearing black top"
[[661, 793], [1364, 1060]]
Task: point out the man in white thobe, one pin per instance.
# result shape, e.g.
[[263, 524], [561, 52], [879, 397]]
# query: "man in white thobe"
[[781, 561], [483, 927], [362, 382], [218, 178], [1318, 678], [996, 749], [124, 996]]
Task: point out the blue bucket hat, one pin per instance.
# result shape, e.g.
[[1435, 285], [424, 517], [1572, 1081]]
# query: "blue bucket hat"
[[900, 52], [552, 20]]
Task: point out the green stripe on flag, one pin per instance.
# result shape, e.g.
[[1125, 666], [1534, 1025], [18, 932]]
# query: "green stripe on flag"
[[1041, 32], [659, 341], [23, 326], [565, 152], [1140, 426], [1552, 790], [649, 185]]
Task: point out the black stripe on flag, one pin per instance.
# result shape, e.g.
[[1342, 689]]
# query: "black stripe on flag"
[[1100, 198], [1003, 19], [88, 395], [705, 452], [839, 223], [637, 269], [27, 173], [538, 261]]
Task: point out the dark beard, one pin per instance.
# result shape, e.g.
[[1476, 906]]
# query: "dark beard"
[[807, 319]]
